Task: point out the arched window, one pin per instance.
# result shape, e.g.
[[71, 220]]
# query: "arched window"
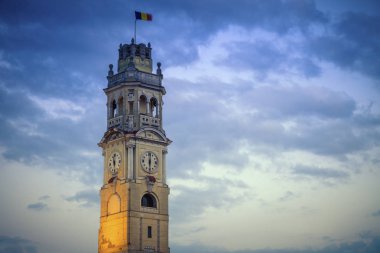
[[153, 107], [113, 109], [148, 200], [120, 107], [130, 107], [143, 104]]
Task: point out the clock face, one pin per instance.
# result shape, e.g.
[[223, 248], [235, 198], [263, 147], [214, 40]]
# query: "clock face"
[[149, 162], [114, 162]]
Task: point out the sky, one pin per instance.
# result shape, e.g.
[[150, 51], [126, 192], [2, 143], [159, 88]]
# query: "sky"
[[273, 108]]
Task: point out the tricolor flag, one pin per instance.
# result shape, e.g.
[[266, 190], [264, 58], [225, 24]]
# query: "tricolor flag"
[[143, 16]]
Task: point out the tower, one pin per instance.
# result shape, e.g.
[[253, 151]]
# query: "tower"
[[134, 213]]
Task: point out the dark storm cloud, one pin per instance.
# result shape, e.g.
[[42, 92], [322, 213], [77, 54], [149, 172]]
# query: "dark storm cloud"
[[197, 20], [279, 16], [265, 57], [86, 198], [69, 28], [16, 245], [353, 44], [69, 32], [260, 56], [50, 42]]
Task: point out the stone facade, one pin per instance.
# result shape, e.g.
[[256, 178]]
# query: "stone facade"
[[134, 215]]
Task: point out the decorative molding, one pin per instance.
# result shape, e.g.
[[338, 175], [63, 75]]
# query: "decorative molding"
[[150, 181]]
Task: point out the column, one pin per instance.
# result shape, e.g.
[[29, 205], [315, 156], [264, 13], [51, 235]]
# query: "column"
[[108, 110], [157, 110], [125, 103], [160, 113], [164, 152], [147, 106], [158, 235], [141, 229], [104, 167], [130, 148]]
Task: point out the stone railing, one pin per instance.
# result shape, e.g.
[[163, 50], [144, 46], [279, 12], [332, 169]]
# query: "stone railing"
[[148, 209], [129, 122], [134, 75], [115, 121], [146, 120]]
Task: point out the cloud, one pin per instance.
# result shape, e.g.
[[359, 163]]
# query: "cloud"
[[192, 201], [44, 198], [287, 196], [41, 204], [250, 13], [376, 213], [192, 24], [245, 80], [16, 245], [370, 245], [86, 198], [40, 133], [225, 118], [352, 44], [38, 206], [3, 62], [293, 101], [269, 55], [323, 173], [60, 108]]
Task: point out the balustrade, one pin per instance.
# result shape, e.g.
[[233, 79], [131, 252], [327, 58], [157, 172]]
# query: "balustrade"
[[134, 75], [146, 120]]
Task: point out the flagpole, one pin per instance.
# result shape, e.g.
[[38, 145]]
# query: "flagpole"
[[135, 31]]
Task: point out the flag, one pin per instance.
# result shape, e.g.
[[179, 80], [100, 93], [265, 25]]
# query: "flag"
[[143, 16]]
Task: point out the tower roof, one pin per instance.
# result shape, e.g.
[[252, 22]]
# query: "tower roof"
[[135, 65]]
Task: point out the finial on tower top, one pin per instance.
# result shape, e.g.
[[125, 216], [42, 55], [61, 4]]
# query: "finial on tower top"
[[159, 71], [110, 71]]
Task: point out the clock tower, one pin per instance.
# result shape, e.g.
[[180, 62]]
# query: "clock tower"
[[134, 215]]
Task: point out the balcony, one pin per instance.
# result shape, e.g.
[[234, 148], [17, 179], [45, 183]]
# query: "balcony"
[[132, 76], [146, 120], [115, 121], [125, 122]]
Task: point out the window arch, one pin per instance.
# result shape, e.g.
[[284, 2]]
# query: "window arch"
[[143, 104], [113, 204], [153, 107], [120, 106], [148, 200], [113, 108]]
